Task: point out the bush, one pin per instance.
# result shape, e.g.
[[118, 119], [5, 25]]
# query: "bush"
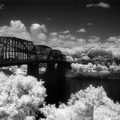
[[93, 53], [20, 97], [104, 107]]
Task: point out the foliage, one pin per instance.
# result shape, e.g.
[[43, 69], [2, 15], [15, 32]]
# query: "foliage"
[[99, 52], [104, 107], [95, 69], [20, 97], [61, 113]]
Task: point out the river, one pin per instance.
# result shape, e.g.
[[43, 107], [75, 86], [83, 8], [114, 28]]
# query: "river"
[[61, 91]]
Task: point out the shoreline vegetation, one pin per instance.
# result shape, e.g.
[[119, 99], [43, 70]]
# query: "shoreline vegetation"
[[95, 75], [94, 61]]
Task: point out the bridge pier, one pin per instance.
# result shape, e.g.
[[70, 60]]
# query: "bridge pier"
[[55, 73], [61, 79], [61, 70], [33, 69], [50, 83], [55, 83], [50, 75]]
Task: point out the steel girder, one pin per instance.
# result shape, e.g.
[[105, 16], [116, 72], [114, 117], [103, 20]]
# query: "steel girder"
[[42, 52], [16, 49], [56, 55]]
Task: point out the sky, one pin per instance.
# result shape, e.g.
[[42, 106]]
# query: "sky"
[[61, 23]]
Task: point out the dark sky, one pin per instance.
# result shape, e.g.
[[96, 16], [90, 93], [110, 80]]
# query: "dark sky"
[[96, 19]]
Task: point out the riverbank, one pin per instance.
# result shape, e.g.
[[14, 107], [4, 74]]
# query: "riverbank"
[[93, 75]]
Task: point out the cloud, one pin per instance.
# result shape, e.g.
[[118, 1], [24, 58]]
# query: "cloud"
[[112, 39], [69, 44], [17, 26], [18, 29], [58, 40], [89, 24], [67, 31], [1, 6], [35, 26], [81, 30], [118, 38], [53, 35], [48, 18], [53, 40], [81, 40], [38, 32], [93, 39], [38, 27], [104, 5], [101, 4], [42, 36], [68, 37], [89, 5]]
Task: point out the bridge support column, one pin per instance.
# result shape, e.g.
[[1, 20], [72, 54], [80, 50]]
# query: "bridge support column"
[[50, 75], [33, 69], [61, 70], [61, 88], [50, 67]]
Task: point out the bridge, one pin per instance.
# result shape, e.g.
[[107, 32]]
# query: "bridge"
[[16, 51]]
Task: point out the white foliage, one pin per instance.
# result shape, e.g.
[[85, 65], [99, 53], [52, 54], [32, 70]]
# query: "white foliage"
[[29, 118], [69, 58], [61, 113], [75, 67], [20, 97], [104, 107], [94, 70]]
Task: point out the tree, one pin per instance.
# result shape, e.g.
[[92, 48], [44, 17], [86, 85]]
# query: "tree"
[[20, 97], [104, 107], [99, 52]]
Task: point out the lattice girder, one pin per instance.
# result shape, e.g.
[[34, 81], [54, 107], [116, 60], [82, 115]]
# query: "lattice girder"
[[42, 52], [56, 55], [15, 49]]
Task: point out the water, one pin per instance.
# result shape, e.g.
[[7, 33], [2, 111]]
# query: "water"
[[59, 90], [112, 87]]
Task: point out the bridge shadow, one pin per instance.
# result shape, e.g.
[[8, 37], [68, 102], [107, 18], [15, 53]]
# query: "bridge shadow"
[[55, 83]]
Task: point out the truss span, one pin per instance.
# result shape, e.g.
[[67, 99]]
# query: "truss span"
[[15, 50], [56, 55], [18, 51], [43, 52]]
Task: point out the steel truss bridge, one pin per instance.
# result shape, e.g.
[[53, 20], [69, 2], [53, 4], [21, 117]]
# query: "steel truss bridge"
[[16, 51]]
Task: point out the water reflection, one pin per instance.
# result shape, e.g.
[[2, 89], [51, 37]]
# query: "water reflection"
[[112, 87], [61, 91]]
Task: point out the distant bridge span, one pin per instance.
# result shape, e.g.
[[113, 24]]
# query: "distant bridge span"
[[16, 51]]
